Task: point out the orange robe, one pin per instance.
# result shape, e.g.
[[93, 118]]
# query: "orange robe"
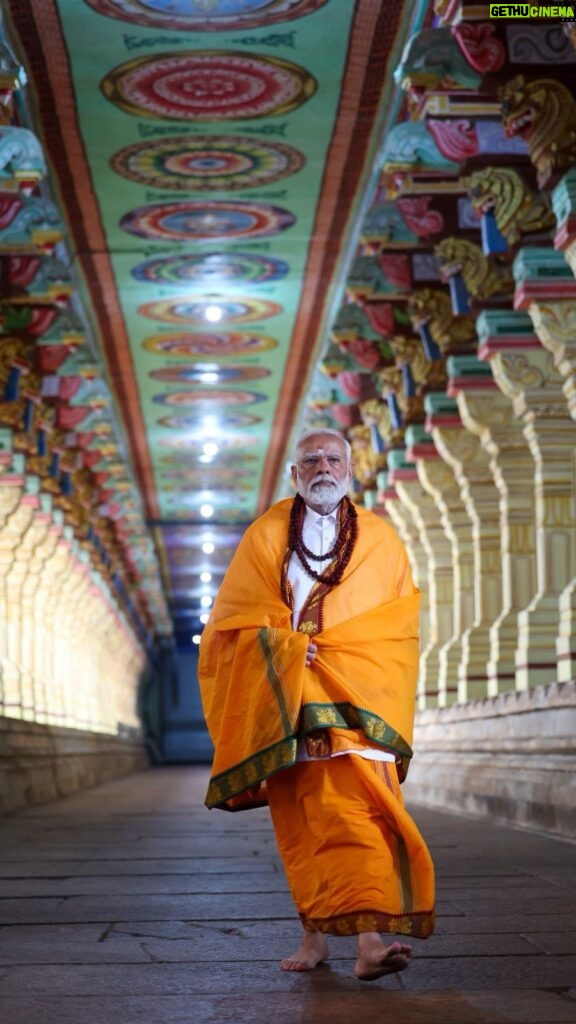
[[259, 698]]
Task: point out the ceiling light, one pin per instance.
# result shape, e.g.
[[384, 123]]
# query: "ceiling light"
[[213, 314], [206, 511], [205, 577], [206, 601], [204, 617], [208, 547], [196, 638]]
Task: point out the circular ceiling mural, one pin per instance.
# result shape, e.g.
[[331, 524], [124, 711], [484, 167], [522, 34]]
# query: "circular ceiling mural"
[[209, 373], [208, 85], [213, 163], [211, 268], [208, 344], [200, 16], [212, 397], [231, 421], [193, 310], [196, 218]]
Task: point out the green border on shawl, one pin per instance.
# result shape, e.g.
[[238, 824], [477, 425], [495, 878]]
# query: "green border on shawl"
[[343, 715], [251, 772]]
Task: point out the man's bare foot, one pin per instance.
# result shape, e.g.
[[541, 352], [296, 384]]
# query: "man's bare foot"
[[375, 959], [311, 951]]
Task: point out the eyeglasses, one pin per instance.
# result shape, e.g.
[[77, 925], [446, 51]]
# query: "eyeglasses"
[[312, 461]]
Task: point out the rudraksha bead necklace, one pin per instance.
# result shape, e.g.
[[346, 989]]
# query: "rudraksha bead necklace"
[[340, 553]]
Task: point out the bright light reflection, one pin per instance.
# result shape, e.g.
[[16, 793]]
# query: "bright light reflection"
[[208, 547], [204, 617], [210, 448], [209, 377], [206, 601], [205, 458], [206, 511], [213, 314], [205, 577], [196, 638]]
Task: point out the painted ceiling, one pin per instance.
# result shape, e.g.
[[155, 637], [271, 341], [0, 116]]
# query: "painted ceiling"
[[212, 160]]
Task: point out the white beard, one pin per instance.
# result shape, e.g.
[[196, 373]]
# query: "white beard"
[[323, 494]]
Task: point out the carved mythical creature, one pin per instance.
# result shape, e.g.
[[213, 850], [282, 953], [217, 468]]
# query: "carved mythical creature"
[[517, 209], [370, 276], [375, 415], [385, 226], [400, 382], [431, 308], [543, 113], [367, 462], [432, 59], [481, 277], [21, 154], [410, 146], [428, 374], [28, 221]]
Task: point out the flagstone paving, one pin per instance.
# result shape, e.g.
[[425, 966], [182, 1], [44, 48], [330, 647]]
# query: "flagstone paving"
[[132, 904]]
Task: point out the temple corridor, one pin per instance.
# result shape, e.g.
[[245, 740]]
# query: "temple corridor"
[[133, 904]]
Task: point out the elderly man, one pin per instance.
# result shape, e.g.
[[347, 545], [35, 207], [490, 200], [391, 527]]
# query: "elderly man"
[[308, 670]]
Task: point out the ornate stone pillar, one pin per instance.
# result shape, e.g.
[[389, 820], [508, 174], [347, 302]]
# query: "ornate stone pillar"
[[525, 372], [490, 416], [409, 534], [547, 291], [438, 480], [25, 581], [19, 510], [470, 463], [439, 579]]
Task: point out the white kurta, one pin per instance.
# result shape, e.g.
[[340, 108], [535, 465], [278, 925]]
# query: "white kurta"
[[319, 534]]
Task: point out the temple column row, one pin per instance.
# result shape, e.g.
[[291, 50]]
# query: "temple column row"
[[489, 485], [68, 655]]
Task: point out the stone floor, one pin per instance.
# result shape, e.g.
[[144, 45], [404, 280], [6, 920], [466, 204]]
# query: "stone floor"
[[132, 904]]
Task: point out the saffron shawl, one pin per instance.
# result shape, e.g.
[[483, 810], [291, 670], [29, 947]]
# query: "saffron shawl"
[[258, 695]]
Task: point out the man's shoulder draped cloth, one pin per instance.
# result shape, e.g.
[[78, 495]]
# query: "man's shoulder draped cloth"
[[258, 695]]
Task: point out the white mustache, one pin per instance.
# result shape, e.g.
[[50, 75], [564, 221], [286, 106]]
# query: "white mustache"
[[323, 480]]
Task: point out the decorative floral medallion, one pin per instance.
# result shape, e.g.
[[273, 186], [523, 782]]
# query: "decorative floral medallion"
[[209, 269], [207, 163], [230, 422], [209, 373], [208, 85], [194, 218], [211, 397], [208, 344], [193, 310], [202, 16]]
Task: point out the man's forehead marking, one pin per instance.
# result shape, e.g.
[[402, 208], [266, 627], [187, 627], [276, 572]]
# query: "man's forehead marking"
[[332, 447]]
